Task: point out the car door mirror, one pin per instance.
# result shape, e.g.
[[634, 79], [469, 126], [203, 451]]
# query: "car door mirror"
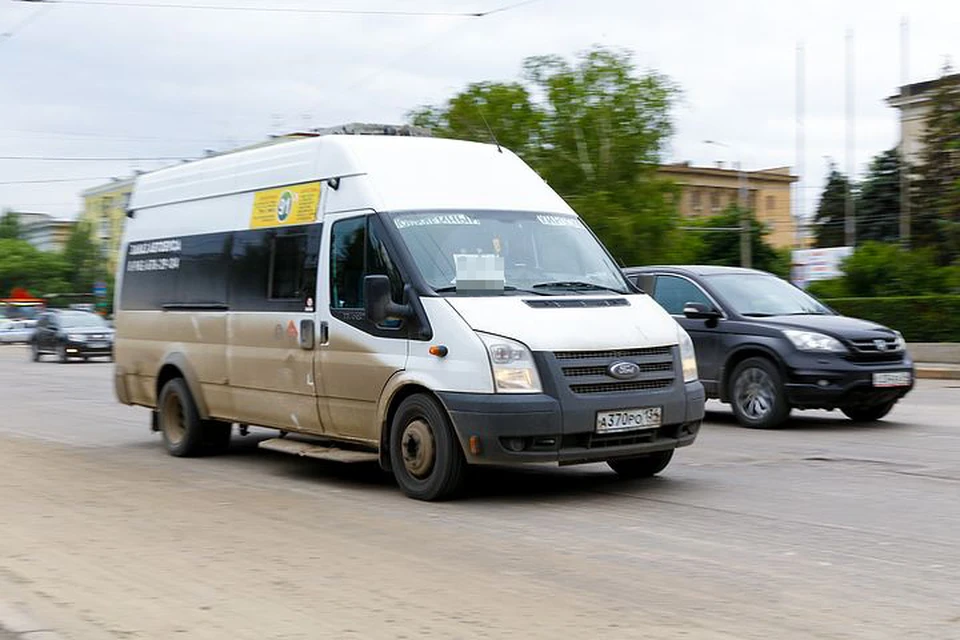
[[378, 303], [700, 311]]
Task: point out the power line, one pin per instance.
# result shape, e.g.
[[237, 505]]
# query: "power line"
[[55, 180], [81, 159], [6, 35], [236, 8]]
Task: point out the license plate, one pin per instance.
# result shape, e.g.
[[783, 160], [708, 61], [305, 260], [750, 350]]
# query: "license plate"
[[892, 379], [628, 419], [98, 345]]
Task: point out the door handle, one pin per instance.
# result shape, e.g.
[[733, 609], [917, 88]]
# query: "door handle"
[[324, 332]]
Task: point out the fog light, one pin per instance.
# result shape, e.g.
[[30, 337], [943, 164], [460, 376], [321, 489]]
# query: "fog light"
[[514, 444], [823, 383]]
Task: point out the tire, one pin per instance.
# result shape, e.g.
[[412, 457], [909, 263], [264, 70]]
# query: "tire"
[[868, 414], [180, 424], [62, 356], [642, 467], [757, 396], [425, 454]]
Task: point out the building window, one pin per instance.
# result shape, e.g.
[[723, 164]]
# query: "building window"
[[771, 203], [715, 201], [695, 200]]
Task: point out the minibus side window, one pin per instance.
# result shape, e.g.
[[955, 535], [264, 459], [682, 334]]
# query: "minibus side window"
[[357, 251], [286, 268]]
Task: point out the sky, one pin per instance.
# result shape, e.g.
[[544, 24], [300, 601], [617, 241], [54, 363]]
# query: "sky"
[[93, 79]]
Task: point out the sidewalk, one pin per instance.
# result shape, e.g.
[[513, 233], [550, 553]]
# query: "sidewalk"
[[937, 371]]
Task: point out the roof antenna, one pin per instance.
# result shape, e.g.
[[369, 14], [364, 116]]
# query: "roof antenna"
[[487, 124]]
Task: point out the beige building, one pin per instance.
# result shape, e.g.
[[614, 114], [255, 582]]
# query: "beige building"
[[706, 191], [43, 231], [913, 101]]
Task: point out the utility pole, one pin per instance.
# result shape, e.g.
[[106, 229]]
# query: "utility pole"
[[850, 229], [745, 257], [745, 248], [799, 213], [904, 156]]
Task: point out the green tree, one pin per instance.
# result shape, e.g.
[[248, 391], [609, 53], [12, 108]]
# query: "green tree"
[[83, 258], [935, 218], [878, 200], [10, 226], [595, 129], [22, 265], [831, 211], [723, 247]]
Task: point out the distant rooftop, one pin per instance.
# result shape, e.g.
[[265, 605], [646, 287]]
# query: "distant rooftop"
[[920, 88]]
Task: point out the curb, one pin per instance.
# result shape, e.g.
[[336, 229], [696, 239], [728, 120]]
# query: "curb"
[[14, 621], [934, 372]]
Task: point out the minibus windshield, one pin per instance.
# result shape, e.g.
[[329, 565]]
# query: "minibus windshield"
[[547, 254]]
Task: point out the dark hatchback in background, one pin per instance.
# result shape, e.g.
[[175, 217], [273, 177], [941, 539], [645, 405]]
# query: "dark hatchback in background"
[[71, 334], [766, 347]]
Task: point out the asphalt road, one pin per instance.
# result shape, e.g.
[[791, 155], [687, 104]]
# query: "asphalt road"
[[823, 529]]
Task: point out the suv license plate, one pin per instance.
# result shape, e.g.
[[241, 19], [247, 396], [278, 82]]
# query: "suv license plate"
[[628, 419], [892, 379]]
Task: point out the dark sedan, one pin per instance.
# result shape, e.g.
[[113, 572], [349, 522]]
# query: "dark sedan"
[[766, 347], [71, 334]]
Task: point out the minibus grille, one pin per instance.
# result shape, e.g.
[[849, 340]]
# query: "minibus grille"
[[588, 372]]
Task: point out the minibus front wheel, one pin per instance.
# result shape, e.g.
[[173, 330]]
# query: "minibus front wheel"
[[424, 452], [184, 433]]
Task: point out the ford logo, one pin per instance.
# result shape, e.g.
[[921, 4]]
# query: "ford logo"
[[623, 370]]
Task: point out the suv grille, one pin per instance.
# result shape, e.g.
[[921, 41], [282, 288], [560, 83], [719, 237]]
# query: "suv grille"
[[587, 372], [871, 350]]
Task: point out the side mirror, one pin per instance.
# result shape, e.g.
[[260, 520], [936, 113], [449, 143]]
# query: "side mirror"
[[378, 303], [700, 311]]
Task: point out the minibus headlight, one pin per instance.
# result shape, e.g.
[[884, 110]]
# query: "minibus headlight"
[[688, 357], [511, 362]]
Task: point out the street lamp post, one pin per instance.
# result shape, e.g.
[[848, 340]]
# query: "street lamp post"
[[745, 248]]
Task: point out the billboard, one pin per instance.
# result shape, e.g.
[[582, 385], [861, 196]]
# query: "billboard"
[[810, 265]]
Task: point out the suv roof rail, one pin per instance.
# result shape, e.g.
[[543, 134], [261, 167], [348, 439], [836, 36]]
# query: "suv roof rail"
[[373, 129]]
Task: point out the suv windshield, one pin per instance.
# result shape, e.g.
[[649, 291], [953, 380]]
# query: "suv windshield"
[[542, 253], [762, 295], [77, 320]]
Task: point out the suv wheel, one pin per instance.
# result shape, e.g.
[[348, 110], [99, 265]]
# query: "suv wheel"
[[757, 395], [868, 414]]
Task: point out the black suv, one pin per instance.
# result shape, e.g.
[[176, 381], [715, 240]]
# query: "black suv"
[[71, 334], [766, 346]]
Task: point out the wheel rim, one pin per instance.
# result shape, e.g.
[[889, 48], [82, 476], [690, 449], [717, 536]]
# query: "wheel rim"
[[755, 394], [172, 419], [417, 447]]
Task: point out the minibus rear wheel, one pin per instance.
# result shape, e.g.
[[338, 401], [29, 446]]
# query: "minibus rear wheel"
[[424, 452], [180, 423]]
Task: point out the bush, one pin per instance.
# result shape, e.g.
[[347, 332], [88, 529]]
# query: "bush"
[[833, 288], [878, 269], [919, 318]]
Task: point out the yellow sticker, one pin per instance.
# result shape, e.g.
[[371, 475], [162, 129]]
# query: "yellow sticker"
[[295, 204]]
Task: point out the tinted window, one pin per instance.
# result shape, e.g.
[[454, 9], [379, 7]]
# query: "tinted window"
[[203, 269], [287, 274], [347, 249], [673, 293]]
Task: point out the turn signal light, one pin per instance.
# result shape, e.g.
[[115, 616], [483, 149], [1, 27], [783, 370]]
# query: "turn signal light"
[[475, 445], [438, 350]]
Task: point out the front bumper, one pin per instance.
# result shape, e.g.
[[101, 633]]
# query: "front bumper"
[[829, 382], [536, 428], [88, 349]]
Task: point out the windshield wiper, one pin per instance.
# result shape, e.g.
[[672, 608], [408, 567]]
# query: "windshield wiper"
[[452, 288], [758, 314], [805, 313], [573, 284]]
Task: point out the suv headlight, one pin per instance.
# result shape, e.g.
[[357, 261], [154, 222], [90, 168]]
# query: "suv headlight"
[[688, 356], [813, 341], [76, 337], [514, 370], [901, 343]]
